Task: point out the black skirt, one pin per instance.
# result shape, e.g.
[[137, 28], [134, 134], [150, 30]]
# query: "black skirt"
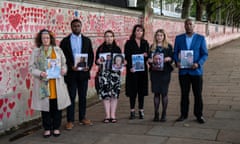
[[160, 82]]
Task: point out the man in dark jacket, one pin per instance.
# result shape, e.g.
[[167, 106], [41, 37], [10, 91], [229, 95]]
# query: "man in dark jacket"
[[77, 81]]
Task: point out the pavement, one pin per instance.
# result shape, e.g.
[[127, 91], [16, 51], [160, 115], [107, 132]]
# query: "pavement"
[[221, 94]]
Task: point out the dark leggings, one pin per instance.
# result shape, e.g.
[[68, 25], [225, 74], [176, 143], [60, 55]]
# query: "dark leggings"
[[157, 102], [140, 101]]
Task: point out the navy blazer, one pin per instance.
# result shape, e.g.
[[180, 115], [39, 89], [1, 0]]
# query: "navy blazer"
[[199, 48], [65, 45]]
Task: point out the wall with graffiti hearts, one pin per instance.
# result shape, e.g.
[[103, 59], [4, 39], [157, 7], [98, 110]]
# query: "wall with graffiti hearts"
[[19, 23]]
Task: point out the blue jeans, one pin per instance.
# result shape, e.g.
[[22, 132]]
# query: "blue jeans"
[[74, 86]]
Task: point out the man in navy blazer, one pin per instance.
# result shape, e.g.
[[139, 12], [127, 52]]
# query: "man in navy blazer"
[[191, 77], [77, 81]]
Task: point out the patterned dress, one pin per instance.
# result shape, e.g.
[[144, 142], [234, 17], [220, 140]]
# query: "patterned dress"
[[109, 80], [109, 84]]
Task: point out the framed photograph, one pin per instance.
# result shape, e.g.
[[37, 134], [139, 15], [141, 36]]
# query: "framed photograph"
[[53, 68], [81, 61], [138, 62], [118, 62], [157, 61], [186, 59], [106, 60]]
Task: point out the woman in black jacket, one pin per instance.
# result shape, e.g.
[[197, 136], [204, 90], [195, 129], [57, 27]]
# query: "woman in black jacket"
[[109, 80], [136, 81], [160, 78]]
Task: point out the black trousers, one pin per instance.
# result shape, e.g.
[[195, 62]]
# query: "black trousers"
[[52, 120], [140, 101], [80, 86], [186, 81]]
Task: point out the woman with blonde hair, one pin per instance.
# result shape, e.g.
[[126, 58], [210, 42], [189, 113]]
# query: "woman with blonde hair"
[[161, 51]]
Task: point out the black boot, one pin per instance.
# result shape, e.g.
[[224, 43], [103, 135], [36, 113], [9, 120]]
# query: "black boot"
[[141, 115], [132, 115], [163, 117], [156, 117]]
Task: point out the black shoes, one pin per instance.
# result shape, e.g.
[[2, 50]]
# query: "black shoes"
[[201, 120], [141, 115], [181, 118], [156, 117], [132, 115], [163, 117]]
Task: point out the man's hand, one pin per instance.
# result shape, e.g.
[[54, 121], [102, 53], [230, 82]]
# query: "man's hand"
[[195, 66]]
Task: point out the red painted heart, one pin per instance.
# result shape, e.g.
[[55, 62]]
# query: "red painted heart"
[[28, 83], [1, 103], [11, 105], [14, 20], [8, 114], [29, 103]]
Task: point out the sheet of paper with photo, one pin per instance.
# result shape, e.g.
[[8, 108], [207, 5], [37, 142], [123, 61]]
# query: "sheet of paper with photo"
[[186, 59], [103, 58], [53, 68], [158, 62], [81, 61], [138, 62], [118, 62]]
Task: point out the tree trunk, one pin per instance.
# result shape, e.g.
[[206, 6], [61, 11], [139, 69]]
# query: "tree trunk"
[[199, 9], [186, 9]]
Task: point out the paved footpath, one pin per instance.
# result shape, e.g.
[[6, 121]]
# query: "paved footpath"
[[221, 109]]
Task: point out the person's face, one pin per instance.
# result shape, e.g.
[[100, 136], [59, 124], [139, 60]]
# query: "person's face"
[[139, 33], [108, 57], [189, 27], [190, 58], [108, 37], [157, 60], [76, 28], [45, 39], [159, 37], [52, 63], [82, 59], [118, 60]]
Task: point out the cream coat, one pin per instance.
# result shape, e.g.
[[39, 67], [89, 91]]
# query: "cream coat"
[[63, 98]]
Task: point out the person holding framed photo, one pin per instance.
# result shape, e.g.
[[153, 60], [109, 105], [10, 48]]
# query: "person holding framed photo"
[[50, 95], [136, 81], [76, 44], [161, 58], [109, 80], [191, 76]]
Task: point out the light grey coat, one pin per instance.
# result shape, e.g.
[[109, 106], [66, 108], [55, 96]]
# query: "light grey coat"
[[42, 104]]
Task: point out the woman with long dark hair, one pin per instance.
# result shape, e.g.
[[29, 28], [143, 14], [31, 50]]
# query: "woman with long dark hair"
[[136, 81]]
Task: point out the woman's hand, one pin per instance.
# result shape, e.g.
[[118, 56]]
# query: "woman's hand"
[[99, 61], [63, 71], [43, 74], [132, 70], [145, 54], [167, 59], [150, 60]]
